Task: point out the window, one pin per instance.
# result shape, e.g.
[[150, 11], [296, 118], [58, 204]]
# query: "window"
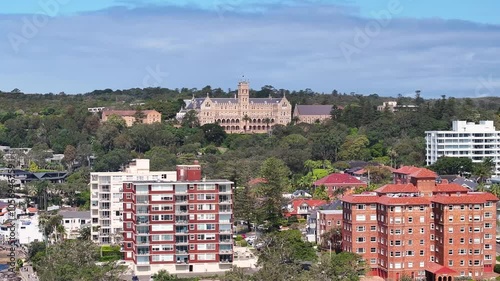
[[360, 239], [450, 262], [450, 240], [410, 230], [373, 228], [450, 229], [373, 239], [373, 261], [450, 218], [360, 228], [450, 207], [487, 225], [373, 250], [361, 250], [361, 206], [422, 230], [450, 252], [409, 253], [410, 219], [462, 240], [421, 252]]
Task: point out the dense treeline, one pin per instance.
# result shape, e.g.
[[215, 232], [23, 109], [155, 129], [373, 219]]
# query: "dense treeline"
[[358, 132]]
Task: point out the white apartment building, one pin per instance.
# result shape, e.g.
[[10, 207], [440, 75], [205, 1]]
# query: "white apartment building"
[[467, 139], [107, 198]]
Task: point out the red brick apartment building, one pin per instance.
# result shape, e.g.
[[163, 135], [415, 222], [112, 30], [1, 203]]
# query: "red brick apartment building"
[[181, 226], [422, 228]]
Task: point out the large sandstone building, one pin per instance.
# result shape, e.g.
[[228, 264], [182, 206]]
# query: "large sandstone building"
[[241, 114], [129, 116]]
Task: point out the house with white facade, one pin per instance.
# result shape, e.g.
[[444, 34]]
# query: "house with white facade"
[[74, 221]]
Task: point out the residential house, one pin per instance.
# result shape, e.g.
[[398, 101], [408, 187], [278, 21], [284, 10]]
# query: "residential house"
[[339, 184], [74, 221], [302, 207]]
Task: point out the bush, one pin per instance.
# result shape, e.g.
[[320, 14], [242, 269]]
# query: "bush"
[[498, 258], [242, 243], [302, 220], [238, 238], [497, 268]]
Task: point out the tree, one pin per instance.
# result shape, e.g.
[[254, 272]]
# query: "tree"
[[484, 170], [190, 120], [281, 255], [85, 233], [332, 237], [327, 146], [339, 267], [244, 205], [320, 193], [139, 117], [213, 133], [355, 148], [246, 118], [69, 156], [235, 274], [75, 260], [275, 173], [452, 165]]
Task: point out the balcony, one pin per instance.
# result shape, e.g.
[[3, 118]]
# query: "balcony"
[[225, 258], [225, 231], [225, 210], [225, 201], [181, 212], [181, 222], [181, 242]]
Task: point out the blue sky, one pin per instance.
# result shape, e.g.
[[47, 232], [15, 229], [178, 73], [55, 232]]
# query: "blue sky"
[[386, 47]]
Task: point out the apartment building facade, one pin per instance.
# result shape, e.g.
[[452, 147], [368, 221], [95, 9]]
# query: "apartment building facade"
[[106, 190], [466, 139], [421, 228], [185, 225]]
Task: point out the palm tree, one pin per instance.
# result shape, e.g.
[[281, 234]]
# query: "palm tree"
[[267, 121], [84, 233], [484, 170], [495, 189], [61, 231], [246, 119]]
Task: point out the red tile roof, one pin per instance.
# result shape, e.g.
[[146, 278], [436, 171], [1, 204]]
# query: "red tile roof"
[[423, 173], [312, 203], [439, 269], [406, 170], [361, 198], [469, 198], [450, 187], [32, 210], [338, 178], [397, 188]]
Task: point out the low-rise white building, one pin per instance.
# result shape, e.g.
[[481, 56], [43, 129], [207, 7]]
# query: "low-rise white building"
[[74, 221]]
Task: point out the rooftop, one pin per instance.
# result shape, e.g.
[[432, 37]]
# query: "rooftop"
[[338, 178], [75, 214], [313, 109]]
